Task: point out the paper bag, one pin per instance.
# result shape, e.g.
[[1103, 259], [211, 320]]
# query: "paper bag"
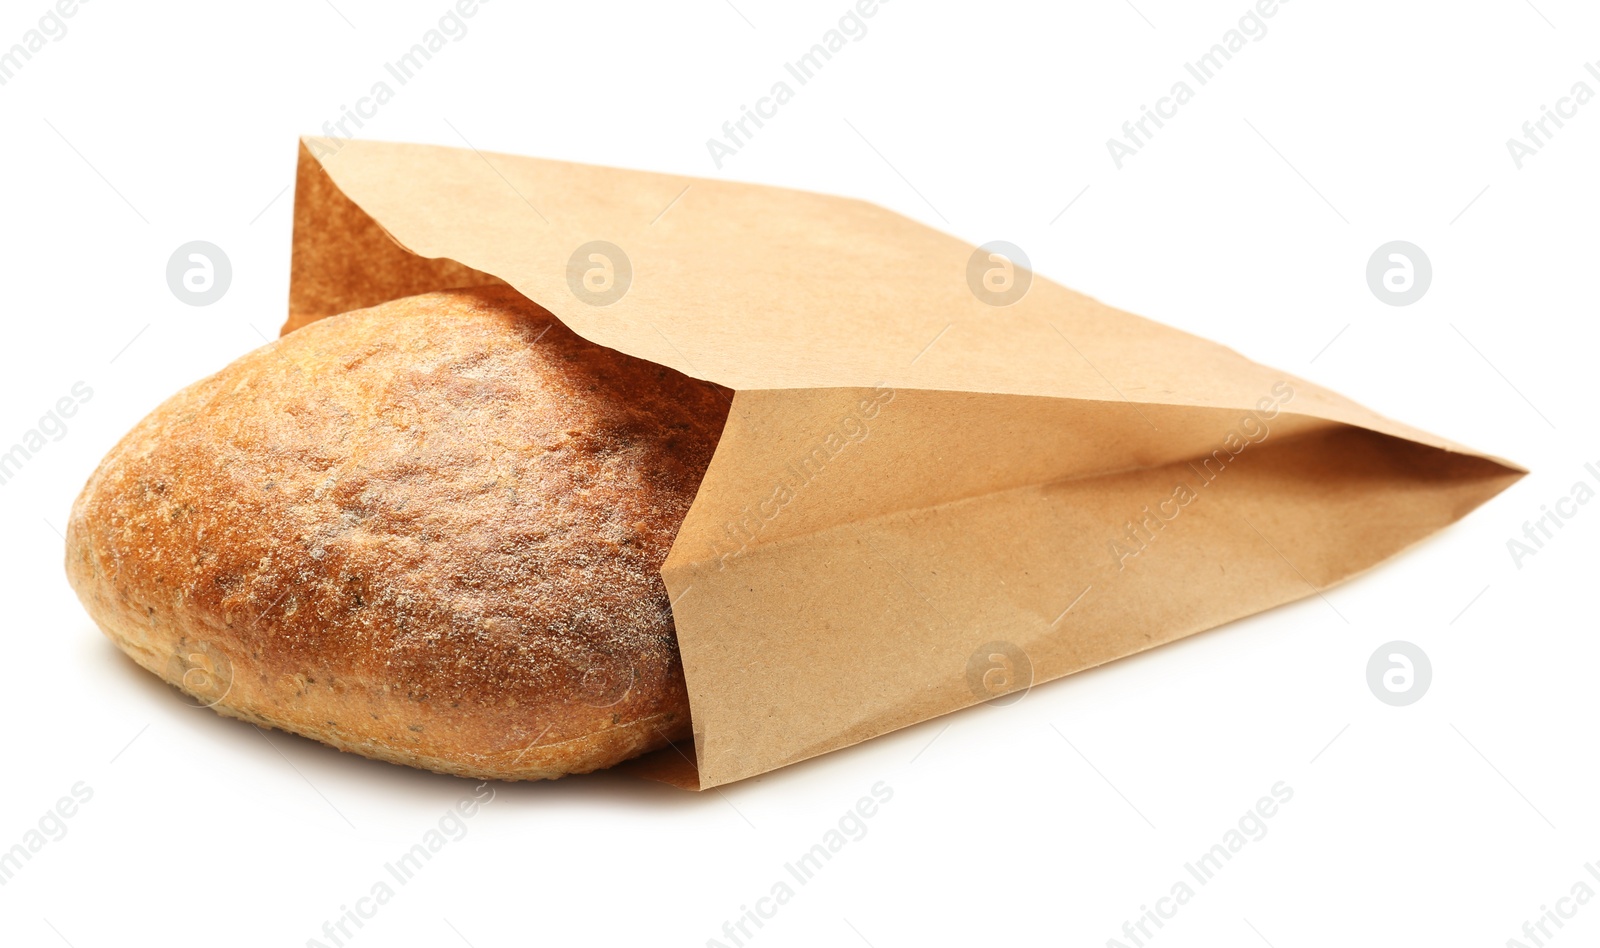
[[942, 479]]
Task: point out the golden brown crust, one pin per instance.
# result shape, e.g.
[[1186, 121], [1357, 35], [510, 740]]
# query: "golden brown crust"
[[428, 532]]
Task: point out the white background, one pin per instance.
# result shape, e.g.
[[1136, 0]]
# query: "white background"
[[1451, 821]]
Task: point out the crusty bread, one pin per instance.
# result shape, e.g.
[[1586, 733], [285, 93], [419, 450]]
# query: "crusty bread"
[[428, 532]]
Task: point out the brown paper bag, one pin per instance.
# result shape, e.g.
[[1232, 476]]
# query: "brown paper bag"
[[942, 479]]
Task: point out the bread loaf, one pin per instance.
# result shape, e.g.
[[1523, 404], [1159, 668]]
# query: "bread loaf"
[[428, 532]]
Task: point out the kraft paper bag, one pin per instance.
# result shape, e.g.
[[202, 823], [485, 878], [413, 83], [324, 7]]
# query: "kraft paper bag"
[[943, 478]]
